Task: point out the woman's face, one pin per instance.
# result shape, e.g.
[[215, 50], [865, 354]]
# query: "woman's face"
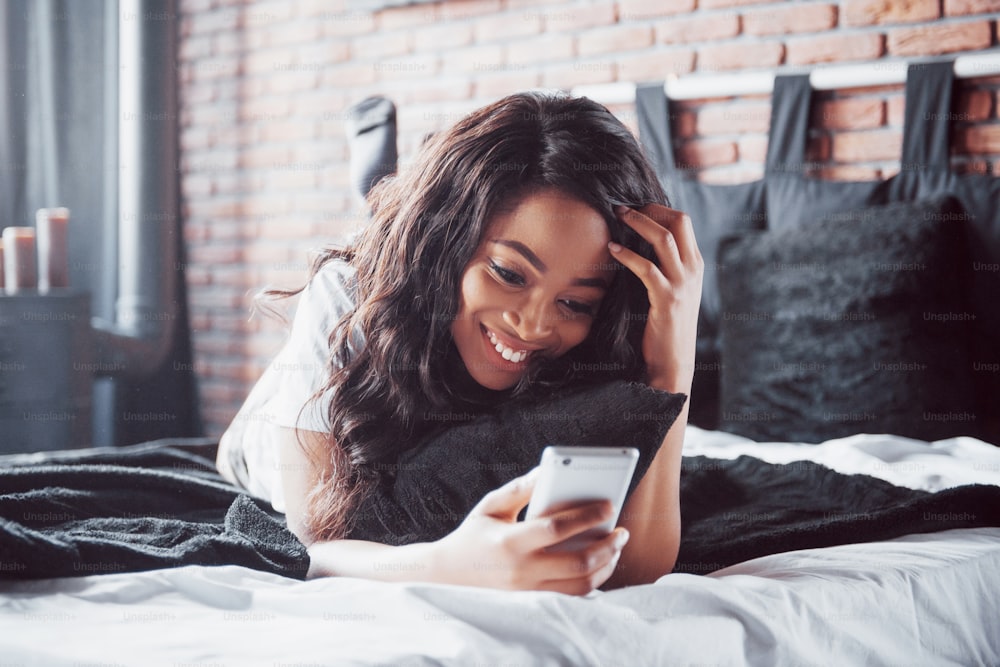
[[532, 287]]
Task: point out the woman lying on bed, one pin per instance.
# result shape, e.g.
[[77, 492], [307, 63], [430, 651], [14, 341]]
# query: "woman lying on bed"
[[491, 269]]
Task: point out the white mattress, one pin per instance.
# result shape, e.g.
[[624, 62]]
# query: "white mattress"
[[917, 600]]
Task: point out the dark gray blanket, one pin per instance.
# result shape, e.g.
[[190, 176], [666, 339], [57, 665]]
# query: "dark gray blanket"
[[161, 504], [148, 506]]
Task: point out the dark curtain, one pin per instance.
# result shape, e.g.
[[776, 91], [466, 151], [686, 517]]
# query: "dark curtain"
[[59, 147]]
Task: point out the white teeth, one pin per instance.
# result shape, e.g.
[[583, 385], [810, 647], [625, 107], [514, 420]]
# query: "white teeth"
[[508, 354]]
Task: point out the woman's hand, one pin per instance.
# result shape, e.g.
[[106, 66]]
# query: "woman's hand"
[[673, 282], [492, 549]]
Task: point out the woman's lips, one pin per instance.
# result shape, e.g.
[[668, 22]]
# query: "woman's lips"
[[512, 355]]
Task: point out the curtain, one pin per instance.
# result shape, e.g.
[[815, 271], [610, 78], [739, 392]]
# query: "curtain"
[[59, 147]]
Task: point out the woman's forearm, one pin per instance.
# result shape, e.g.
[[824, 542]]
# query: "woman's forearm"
[[652, 515], [372, 560]]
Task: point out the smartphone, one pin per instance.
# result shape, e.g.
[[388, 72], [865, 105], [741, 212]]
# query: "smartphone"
[[573, 475]]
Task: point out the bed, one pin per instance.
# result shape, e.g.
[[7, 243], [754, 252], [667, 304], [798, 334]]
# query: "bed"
[[810, 536], [918, 599]]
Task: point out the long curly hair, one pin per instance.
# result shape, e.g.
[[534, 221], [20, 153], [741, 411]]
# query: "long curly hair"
[[426, 225]]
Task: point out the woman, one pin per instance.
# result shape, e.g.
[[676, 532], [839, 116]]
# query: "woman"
[[529, 247]]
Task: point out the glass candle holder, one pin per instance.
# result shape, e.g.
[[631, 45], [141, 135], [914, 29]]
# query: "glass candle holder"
[[51, 225], [20, 271]]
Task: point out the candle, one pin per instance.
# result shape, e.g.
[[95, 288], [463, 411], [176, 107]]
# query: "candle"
[[53, 248], [19, 259]]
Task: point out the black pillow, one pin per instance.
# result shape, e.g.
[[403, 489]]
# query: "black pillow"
[[858, 323], [435, 485]]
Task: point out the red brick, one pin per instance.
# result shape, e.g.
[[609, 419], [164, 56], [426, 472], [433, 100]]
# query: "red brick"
[[940, 38], [451, 11], [978, 139], [752, 148], [537, 50], [576, 17], [791, 19], [217, 20], [614, 39], [716, 4], [848, 173], [965, 7], [215, 254], [435, 89], [406, 68], [380, 45], [442, 36], [502, 27], [348, 75], [698, 28], [294, 78], [894, 108], [729, 56], [833, 47], [492, 86], [406, 16], [867, 146], [632, 10], [195, 48], [974, 105], [566, 76], [195, 6], [701, 153], [198, 93], [475, 59], [685, 123], [882, 12], [818, 148], [323, 52], [654, 64], [346, 24], [850, 114], [734, 118], [731, 175], [292, 129]]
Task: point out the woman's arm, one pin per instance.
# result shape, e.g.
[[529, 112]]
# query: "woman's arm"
[[652, 514], [490, 548]]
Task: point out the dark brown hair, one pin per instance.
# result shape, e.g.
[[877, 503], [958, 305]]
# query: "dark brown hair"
[[426, 225]]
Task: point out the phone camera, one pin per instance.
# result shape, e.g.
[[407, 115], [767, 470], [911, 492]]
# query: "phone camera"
[[566, 462]]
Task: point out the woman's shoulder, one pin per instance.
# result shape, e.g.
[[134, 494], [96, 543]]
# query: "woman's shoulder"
[[336, 276]]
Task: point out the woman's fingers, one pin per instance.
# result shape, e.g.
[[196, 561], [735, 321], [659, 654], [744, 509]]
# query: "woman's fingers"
[[507, 501], [671, 234], [541, 532], [579, 572]]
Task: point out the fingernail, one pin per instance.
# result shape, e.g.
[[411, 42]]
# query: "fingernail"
[[621, 209], [614, 247], [622, 539]]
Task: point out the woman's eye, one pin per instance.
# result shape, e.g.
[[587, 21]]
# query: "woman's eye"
[[506, 275], [580, 308]]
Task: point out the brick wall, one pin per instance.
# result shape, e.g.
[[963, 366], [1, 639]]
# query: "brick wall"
[[264, 86]]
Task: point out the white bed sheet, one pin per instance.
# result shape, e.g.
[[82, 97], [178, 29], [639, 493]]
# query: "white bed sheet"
[[917, 600]]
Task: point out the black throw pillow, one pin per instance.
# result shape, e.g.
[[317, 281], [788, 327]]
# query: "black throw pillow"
[[858, 323], [433, 487]]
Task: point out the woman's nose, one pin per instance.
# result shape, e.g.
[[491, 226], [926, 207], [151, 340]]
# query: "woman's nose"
[[532, 320]]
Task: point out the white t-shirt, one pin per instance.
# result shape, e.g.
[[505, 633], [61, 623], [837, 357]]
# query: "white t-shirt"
[[281, 396]]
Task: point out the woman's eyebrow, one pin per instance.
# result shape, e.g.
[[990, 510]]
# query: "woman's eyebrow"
[[535, 261]]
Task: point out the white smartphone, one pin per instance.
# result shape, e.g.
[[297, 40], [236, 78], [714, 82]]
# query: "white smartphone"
[[573, 475]]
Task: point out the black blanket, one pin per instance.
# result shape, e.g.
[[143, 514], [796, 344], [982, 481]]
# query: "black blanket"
[[161, 504]]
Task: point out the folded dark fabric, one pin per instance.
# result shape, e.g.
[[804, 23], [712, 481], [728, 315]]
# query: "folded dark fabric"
[[433, 487], [134, 508], [745, 508]]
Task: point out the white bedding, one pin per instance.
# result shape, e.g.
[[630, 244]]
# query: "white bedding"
[[917, 600]]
